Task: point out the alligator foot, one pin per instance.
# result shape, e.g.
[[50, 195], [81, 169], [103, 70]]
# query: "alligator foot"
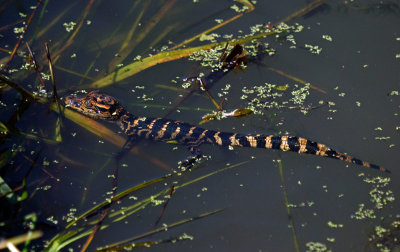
[[189, 162]]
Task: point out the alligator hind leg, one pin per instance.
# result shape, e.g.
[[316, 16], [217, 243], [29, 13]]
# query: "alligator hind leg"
[[128, 145], [190, 161]]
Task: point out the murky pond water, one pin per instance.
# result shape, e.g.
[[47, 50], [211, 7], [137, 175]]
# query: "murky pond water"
[[330, 75]]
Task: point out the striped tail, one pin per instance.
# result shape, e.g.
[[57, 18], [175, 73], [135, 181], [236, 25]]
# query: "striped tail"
[[288, 143]]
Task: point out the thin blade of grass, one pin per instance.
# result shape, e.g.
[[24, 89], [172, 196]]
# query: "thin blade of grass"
[[21, 90], [301, 12], [159, 106], [39, 138], [62, 240], [166, 31], [176, 89], [82, 20], [56, 99], [114, 37], [160, 229], [106, 210], [210, 174], [53, 22], [130, 46], [135, 245], [35, 65], [57, 130], [135, 25], [171, 191], [31, 235], [5, 27], [125, 213], [39, 21], [280, 72], [22, 36], [162, 57], [83, 76], [289, 214], [244, 2], [118, 197], [6, 191], [95, 229], [139, 205], [53, 78], [70, 40]]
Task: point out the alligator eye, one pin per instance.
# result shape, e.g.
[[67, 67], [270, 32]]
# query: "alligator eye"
[[102, 109]]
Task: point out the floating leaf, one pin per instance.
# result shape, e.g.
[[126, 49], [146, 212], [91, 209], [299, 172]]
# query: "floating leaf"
[[24, 194], [3, 129], [5, 189], [57, 132], [208, 117], [281, 88], [240, 112]]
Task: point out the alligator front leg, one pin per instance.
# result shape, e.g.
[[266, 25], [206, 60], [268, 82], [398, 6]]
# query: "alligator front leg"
[[128, 145], [190, 161]]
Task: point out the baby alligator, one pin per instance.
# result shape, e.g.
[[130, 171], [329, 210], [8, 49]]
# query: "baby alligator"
[[101, 106]]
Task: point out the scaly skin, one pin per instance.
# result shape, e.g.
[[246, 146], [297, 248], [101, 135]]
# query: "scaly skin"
[[101, 106]]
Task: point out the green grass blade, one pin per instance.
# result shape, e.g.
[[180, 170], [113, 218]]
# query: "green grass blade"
[[115, 246], [162, 57], [118, 197]]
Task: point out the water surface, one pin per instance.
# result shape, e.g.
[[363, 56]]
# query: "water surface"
[[358, 69]]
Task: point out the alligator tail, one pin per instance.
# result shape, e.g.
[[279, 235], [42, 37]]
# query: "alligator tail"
[[288, 143]]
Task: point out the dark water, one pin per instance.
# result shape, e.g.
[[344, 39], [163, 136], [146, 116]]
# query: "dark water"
[[358, 69]]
